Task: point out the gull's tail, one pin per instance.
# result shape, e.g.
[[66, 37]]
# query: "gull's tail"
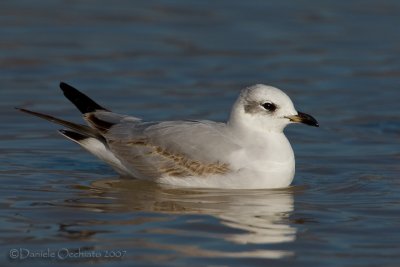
[[89, 137]]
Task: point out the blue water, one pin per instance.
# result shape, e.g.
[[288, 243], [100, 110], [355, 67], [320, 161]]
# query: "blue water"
[[338, 60]]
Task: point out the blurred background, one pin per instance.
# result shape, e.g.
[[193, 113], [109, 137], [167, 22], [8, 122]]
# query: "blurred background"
[[337, 60]]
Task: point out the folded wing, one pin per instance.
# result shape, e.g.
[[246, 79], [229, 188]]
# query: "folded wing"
[[172, 148]]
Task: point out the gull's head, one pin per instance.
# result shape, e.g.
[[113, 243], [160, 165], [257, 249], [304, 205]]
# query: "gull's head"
[[266, 108]]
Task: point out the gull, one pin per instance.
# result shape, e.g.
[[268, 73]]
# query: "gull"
[[249, 151]]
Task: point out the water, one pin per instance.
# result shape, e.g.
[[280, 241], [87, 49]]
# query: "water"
[[339, 61]]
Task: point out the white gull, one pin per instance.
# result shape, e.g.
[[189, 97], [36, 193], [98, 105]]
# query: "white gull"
[[249, 151]]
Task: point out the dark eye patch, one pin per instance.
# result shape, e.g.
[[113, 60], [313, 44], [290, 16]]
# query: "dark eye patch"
[[269, 106]]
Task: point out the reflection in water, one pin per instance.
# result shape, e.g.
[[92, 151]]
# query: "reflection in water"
[[258, 217]]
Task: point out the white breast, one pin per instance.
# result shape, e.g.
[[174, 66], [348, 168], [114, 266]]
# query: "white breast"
[[265, 163]]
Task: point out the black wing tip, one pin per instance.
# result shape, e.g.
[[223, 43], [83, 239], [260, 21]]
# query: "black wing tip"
[[64, 86], [68, 89], [25, 110], [73, 135], [101, 125], [84, 103]]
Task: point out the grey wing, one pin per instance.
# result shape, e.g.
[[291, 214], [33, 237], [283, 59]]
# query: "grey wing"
[[173, 148]]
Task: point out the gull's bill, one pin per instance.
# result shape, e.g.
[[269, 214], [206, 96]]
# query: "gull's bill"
[[303, 118]]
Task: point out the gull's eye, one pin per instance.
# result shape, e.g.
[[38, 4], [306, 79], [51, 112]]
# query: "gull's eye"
[[269, 106]]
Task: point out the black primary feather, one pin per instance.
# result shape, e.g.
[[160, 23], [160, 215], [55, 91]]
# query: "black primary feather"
[[101, 125], [79, 128], [80, 100], [73, 135]]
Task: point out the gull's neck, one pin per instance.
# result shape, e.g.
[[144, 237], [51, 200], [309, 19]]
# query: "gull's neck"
[[248, 126], [258, 139]]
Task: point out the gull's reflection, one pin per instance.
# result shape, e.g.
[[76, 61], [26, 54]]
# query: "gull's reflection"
[[260, 216]]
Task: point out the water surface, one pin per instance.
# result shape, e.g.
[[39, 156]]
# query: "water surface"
[[339, 61]]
